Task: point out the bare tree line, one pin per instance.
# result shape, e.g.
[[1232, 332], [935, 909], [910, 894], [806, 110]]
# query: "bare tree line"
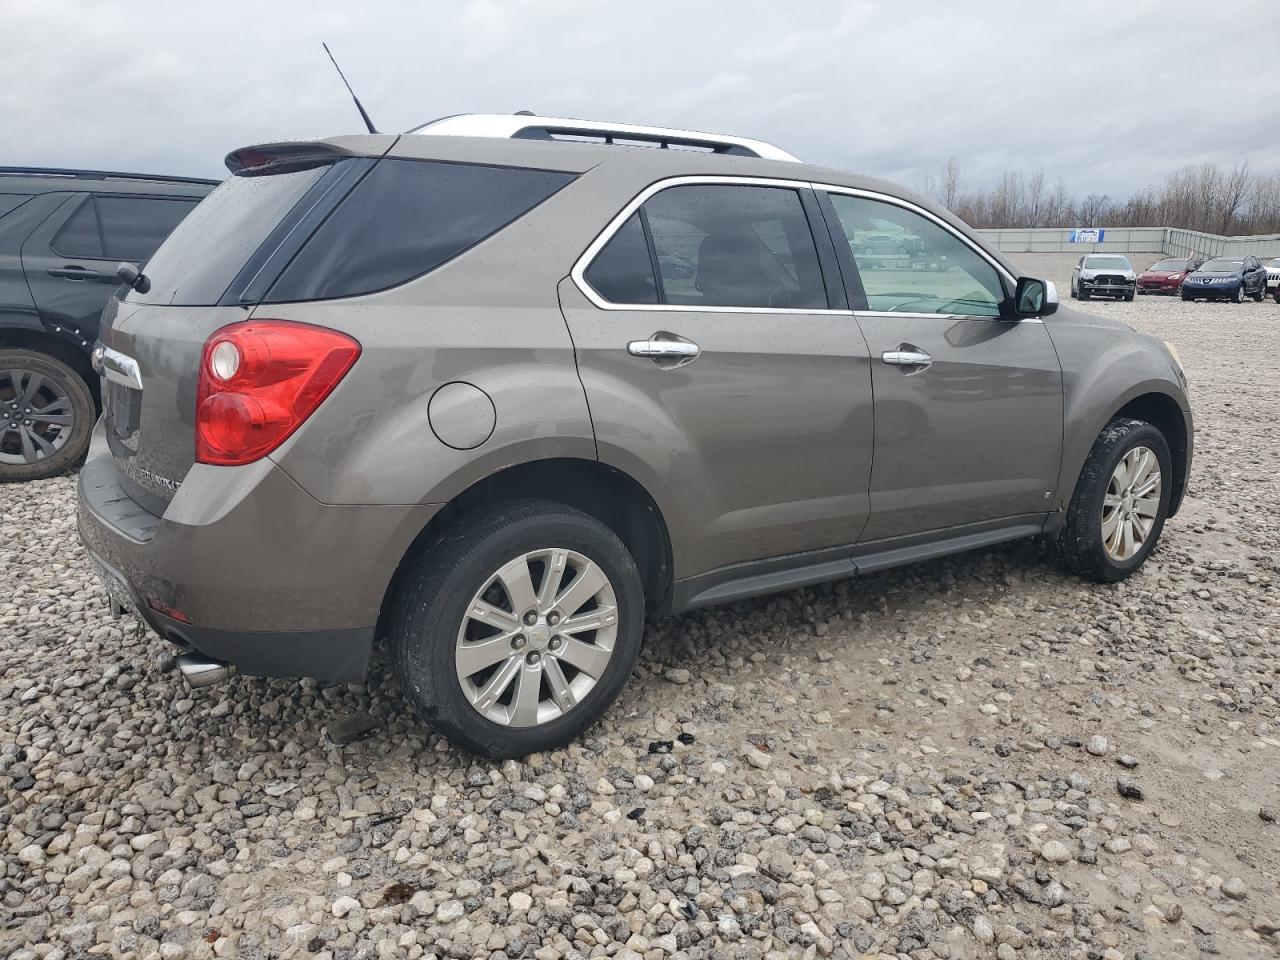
[[1235, 202]]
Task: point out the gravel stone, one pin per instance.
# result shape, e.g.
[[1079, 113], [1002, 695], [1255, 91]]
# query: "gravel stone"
[[897, 765]]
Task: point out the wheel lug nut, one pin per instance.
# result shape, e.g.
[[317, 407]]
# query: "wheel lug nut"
[[554, 643], [517, 642], [553, 618], [531, 617], [534, 656]]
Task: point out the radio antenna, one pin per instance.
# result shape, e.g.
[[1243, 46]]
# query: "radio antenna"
[[363, 114]]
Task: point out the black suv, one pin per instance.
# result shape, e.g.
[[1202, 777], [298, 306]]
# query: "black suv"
[[62, 235]]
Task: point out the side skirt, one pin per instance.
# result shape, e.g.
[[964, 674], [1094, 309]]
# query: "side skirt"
[[760, 577]]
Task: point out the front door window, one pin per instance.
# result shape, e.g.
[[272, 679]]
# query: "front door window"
[[910, 264]]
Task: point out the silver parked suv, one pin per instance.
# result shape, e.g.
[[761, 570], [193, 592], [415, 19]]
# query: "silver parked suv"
[[496, 388]]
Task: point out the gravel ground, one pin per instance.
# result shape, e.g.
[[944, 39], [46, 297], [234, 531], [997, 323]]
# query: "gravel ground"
[[977, 756]]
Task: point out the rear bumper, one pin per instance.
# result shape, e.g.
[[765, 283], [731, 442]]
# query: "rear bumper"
[[271, 581]]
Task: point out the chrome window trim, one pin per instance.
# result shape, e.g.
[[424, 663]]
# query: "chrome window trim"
[[578, 272], [944, 316]]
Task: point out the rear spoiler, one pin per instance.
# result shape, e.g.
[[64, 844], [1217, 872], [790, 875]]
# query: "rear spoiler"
[[269, 158]]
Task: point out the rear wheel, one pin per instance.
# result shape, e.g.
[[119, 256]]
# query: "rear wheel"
[[516, 630], [1120, 502], [46, 416]]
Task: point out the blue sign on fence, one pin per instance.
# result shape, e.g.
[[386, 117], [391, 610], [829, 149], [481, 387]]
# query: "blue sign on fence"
[[1088, 236]]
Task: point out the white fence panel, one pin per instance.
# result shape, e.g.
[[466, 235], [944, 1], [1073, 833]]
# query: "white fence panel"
[[1170, 241]]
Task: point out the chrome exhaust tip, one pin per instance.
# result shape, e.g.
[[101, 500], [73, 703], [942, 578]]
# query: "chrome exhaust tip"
[[200, 671]]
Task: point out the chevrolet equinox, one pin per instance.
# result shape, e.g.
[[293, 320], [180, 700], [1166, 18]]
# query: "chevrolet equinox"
[[497, 388]]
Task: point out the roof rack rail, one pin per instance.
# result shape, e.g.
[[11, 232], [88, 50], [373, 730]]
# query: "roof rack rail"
[[71, 173], [526, 126]]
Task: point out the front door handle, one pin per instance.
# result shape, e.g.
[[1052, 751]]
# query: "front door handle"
[[906, 358], [666, 349]]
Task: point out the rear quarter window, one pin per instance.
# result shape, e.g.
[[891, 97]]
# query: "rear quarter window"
[[406, 218]]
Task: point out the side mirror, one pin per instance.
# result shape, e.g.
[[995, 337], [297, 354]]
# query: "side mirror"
[[133, 277], [1034, 298]]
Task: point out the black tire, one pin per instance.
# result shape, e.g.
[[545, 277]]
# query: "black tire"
[[1261, 294], [1238, 296], [1080, 541], [1074, 295], [1084, 294], [1128, 298], [437, 589], [57, 379], [1186, 297]]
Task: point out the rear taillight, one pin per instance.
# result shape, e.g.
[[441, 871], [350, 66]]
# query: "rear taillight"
[[259, 381]]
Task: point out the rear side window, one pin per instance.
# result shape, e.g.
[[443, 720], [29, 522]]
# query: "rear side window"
[[622, 271], [735, 246], [80, 236], [714, 245], [406, 218], [133, 227], [120, 227]]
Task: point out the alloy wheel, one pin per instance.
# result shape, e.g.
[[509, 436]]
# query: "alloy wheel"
[[36, 416], [537, 637], [1131, 503]]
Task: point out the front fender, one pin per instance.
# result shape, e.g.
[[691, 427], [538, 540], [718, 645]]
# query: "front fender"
[[1106, 366]]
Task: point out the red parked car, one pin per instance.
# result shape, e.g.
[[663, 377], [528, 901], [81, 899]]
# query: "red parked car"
[[1166, 276]]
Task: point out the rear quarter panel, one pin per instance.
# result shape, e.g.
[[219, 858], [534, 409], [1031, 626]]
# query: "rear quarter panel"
[[489, 318]]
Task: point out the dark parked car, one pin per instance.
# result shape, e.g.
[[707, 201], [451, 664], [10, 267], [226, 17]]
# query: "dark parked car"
[[1166, 276], [62, 235], [1227, 278]]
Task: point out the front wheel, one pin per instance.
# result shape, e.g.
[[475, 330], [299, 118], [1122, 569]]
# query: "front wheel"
[[1238, 296], [1120, 502], [46, 416], [1186, 297], [1261, 294], [516, 629]]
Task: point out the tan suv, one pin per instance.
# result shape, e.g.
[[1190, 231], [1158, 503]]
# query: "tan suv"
[[496, 388]]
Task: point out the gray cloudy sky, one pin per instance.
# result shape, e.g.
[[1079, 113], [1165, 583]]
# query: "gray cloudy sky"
[[1110, 94]]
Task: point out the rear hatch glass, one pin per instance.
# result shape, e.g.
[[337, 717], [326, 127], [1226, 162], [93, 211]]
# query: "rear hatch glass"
[[206, 252]]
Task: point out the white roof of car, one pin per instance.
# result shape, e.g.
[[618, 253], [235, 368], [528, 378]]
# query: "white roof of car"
[[529, 126]]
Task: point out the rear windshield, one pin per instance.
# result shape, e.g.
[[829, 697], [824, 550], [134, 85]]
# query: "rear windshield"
[[205, 252]]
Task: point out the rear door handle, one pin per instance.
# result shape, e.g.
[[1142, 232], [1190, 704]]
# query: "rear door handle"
[[80, 273], [667, 349], [906, 358]]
